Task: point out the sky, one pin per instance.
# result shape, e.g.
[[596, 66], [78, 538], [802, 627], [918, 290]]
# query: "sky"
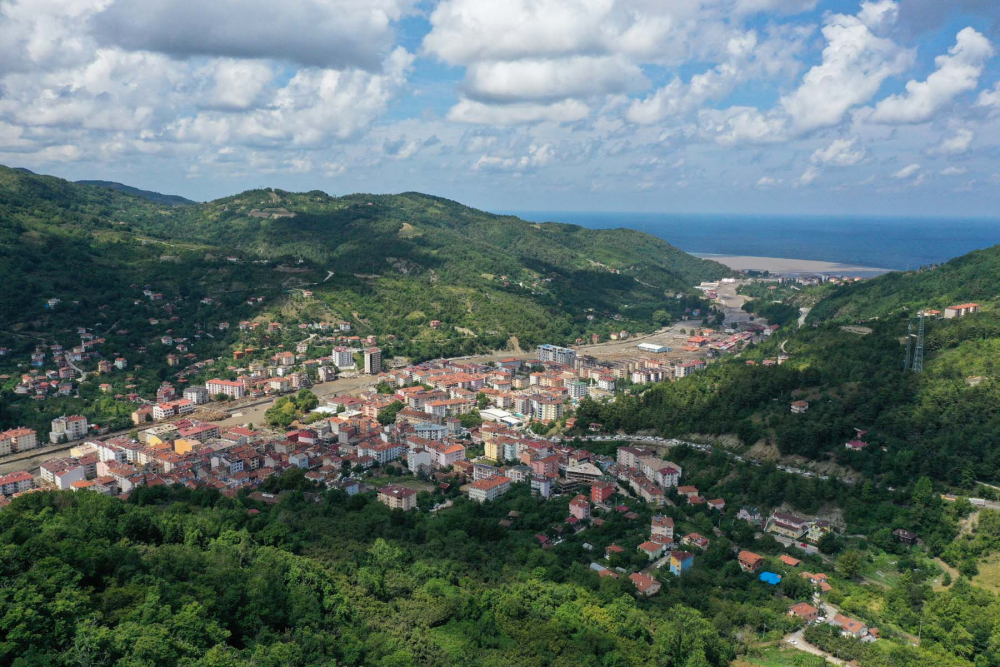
[[768, 107]]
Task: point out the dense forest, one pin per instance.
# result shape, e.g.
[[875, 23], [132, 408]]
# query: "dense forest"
[[181, 577]]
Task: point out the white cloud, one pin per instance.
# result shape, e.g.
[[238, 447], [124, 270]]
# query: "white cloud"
[[765, 182], [957, 144], [469, 111], [878, 14], [741, 125], [907, 171], [238, 84], [956, 73], [855, 64], [536, 156], [954, 171], [840, 153], [810, 175], [552, 80], [989, 98]]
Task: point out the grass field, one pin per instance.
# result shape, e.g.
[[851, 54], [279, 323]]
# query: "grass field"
[[989, 574], [778, 656]]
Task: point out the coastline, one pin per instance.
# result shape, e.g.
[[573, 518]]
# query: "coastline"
[[789, 266]]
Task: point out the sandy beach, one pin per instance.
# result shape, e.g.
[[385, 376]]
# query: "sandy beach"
[[785, 266]]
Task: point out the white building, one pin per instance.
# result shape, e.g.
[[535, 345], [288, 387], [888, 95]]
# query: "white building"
[[197, 395], [230, 388], [486, 490], [554, 353], [343, 357], [66, 428]]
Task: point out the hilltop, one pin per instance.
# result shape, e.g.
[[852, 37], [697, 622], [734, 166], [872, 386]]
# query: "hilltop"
[[155, 197], [971, 277]]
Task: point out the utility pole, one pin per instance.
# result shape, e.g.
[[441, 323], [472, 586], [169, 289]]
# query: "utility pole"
[[918, 353]]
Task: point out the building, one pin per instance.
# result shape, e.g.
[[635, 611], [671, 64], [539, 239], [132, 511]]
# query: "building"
[[787, 525], [579, 507], [960, 310], [849, 626], [601, 491], [662, 527], [16, 482], [653, 550], [749, 561], [751, 515], [343, 357], [397, 497], [197, 395], [680, 561], [17, 440], [66, 428], [373, 361], [907, 537], [653, 347], [228, 387], [486, 490], [805, 611], [687, 368], [644, 584], [553, 353], [800, 407], [695, 540]]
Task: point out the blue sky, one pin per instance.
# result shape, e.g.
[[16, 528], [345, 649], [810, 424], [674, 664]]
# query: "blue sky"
[[689, 106]]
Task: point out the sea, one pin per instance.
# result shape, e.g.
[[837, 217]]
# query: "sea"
[[890, 243]]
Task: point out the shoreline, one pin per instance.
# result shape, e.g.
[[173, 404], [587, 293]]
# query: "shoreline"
[[790, 266]]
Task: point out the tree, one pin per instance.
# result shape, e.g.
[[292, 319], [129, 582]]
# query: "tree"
[[387, 415], [849, 563]]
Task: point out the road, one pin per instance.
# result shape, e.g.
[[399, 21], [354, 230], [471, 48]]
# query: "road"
[[796, 640]]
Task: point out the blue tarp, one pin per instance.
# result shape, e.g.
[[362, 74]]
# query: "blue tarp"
[[770, 578]]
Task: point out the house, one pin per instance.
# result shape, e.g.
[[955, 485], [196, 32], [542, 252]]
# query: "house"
[[717, 504], [805, 611], [849, 626], [695, 540], [751, 515], [688, 491], [855, 445], [787, 525], [644, 584], [749, 561], [960, 310], [789, 561], [907, 537], [653, 550], [611, 550], [397, 497], [680, 561], [800, 407]]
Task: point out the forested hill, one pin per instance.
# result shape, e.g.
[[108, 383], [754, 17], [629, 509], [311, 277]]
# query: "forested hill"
[[971, 277], [156, 197], [388, 264], [414, 233]]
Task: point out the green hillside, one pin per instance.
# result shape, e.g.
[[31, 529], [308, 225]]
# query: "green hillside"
[[387, 264], [971, 277]]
